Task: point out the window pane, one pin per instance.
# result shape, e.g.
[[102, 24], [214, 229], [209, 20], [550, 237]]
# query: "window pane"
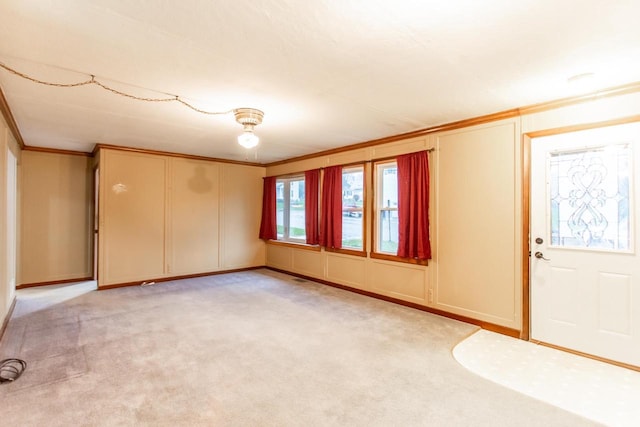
[[352, 231], [387, 235], [388, 232], [589, 198], [296, 209], [389, 197], [352, 207], [280, 208]]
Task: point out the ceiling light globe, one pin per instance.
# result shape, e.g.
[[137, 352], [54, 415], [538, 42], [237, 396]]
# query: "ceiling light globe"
[[248, 139]]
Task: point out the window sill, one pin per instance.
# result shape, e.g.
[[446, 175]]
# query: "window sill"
[[304, 246], [395, 258], [346, 251]]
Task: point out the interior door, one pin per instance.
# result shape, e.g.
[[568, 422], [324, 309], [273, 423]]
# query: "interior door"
[[585, 268]]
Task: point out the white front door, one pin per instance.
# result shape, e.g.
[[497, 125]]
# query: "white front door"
[[585, 267]]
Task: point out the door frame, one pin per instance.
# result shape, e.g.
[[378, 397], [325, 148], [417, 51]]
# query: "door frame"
[[95, 223], [525, 145]]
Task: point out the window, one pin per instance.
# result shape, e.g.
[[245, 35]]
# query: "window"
[[386, 236], [353, 207], [290, 218]]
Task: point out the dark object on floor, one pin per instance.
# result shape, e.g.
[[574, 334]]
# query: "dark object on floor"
[[11, 369]]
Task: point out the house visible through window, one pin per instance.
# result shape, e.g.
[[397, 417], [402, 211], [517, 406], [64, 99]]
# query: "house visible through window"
[[353, 207], [290, 217], [386, 208]]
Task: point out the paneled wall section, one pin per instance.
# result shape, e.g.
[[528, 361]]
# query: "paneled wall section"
[[56, 221], [163, 216]]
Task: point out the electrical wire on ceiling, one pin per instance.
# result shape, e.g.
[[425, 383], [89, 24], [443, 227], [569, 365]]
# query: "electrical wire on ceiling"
[[94, 81]]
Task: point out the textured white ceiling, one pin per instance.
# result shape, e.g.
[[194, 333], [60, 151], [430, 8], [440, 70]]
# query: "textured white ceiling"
[[326, 73]]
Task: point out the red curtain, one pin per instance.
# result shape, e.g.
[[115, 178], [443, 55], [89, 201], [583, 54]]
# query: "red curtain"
[[413, 206], [311, 195], [331, 217], [268, 224]]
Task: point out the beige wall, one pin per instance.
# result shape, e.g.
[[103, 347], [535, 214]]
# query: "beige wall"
[[194, 217], [163, 216], [56, 221], [476, 217], [132, 217], [241, 210], [8, 253], [477, 264]]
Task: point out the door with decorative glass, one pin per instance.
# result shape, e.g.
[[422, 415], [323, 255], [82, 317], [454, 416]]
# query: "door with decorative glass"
[[584, 264]]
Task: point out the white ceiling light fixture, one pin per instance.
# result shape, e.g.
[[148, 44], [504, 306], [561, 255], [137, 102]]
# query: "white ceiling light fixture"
[[248, 118]]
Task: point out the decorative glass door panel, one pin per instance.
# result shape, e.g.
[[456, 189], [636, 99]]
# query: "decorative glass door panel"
[[589, 198]]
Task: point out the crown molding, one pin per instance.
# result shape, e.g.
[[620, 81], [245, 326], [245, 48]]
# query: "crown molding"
[[56, 151], [11, 122], [172, 154], [578, 99]]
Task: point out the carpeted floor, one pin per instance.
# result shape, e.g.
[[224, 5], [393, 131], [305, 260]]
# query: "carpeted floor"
[[256, 348]]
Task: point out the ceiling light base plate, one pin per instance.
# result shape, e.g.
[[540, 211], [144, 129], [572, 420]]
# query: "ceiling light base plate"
[[248, 116]]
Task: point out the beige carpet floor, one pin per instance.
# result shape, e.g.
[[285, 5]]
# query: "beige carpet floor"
[[256, 348]]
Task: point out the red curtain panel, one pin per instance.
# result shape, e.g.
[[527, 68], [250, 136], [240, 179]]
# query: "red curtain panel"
[[311, 191], [268, 229], [331, 217], [413, 206]]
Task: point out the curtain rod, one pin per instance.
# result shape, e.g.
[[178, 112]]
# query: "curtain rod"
[[428, 150]]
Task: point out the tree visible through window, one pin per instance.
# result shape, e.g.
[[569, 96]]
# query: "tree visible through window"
[[290, 202]]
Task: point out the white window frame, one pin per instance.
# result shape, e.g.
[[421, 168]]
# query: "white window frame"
[[286, 220], [351, 169], [380, 208]]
